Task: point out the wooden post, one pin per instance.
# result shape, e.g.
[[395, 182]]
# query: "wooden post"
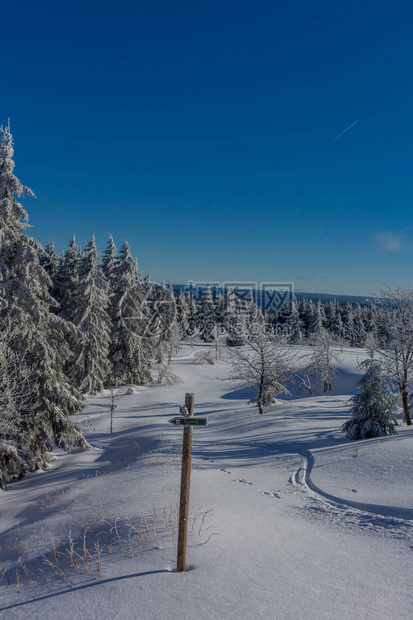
[[185, 486]]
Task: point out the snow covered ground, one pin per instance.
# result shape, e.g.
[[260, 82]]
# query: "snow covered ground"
[[288, 520]]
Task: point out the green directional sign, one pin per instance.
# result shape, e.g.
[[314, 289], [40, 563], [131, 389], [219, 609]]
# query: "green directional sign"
[[188, 421]]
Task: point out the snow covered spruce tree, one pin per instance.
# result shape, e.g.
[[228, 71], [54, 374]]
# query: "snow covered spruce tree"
[[172, 331], [233, 320], [293, 322], [17, 408], [164, 330], [349, 329], [182, 314], [228, 318], [334, 322], [51, 263], [37, 335], [205, 316], [89, 368], [254, 314], [372, 406], [163, 326], [110, 264], [317, 319], [66, 278], [130, 352], [193, 330], [49, 260]]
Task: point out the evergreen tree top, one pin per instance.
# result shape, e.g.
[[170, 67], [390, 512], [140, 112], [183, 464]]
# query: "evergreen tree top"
[[11, 211], [109, 255]]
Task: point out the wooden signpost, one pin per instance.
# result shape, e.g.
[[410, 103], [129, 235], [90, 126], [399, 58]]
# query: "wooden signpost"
[[187, 421]]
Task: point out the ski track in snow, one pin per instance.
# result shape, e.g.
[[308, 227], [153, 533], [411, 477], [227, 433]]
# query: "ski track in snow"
[[388, 521]]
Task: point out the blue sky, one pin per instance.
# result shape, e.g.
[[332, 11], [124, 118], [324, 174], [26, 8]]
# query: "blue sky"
[[204, 133]]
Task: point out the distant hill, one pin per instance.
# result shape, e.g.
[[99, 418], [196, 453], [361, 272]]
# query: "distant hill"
[[197, 291]]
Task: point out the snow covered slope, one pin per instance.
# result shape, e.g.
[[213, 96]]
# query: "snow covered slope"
[[288, 520]]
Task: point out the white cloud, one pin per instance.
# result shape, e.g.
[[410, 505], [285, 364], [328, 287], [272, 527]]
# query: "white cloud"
[[390, 241]]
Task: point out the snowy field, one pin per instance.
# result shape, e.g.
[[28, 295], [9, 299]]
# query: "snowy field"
[[288, 520]]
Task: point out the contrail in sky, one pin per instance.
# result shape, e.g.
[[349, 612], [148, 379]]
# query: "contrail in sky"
[[343, 132]]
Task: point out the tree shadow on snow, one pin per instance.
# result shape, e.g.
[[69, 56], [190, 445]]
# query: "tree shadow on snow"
[[101, 582]]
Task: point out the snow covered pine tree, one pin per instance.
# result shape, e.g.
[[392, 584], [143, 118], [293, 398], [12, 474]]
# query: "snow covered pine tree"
[[89, 301], [131, 352], [37, 335], [205, 316]]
